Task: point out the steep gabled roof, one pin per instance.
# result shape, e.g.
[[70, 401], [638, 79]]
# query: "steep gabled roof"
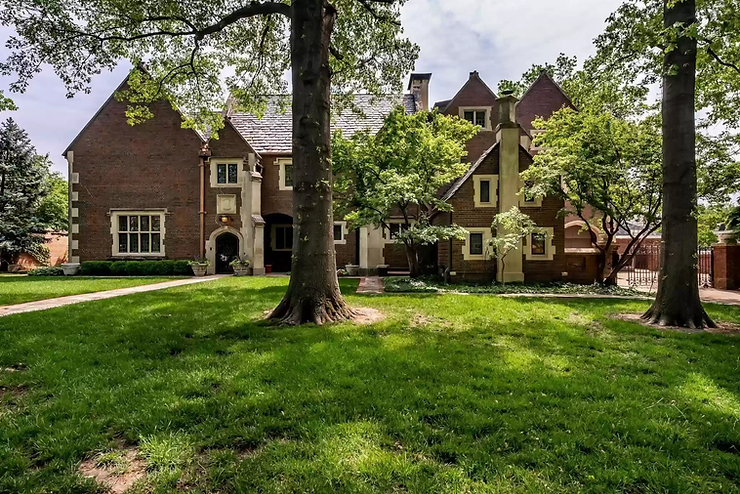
[[100, 110], [473, 79], [273, 133], [544, 76], [460, 181]]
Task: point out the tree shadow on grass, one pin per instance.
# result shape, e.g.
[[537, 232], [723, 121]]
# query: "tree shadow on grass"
[[447, 394]]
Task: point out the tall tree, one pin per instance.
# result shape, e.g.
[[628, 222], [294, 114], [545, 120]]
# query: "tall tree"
[[677, 302], [53, 208], [23, 179], [693, 49], [608, 172], [398, 173], [186, 46]]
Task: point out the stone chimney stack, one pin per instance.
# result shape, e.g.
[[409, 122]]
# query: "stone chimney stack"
[[507, 109], [419, 87], [507, 135]]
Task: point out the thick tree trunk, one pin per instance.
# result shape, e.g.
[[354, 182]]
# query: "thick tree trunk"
[[313, 294], [677, 302]]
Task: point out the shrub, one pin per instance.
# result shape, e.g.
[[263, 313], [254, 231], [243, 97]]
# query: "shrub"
[[95, 268], [135, 268], [47, 271]]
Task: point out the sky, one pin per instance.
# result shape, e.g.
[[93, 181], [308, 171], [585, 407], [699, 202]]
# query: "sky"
[[499, 38]]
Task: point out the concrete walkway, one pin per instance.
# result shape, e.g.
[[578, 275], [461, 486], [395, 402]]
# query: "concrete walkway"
[[370, 285], [89, 297]]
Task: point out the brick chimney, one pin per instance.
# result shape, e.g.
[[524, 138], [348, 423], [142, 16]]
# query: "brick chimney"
[[419, 87], [507, 135]]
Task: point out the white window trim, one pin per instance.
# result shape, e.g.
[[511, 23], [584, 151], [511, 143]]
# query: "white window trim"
[[537, 203], [550, 249], [343, 240], [273, 239], [487, 235], [487, 109], [115, 214], [493, 191], [213, 164], [281, 173], [387, 234]]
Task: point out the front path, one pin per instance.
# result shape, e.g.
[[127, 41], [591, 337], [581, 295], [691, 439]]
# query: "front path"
[[88, 297]]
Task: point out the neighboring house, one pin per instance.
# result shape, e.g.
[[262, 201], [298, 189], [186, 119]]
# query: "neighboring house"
[[56, 242], [157, 190]]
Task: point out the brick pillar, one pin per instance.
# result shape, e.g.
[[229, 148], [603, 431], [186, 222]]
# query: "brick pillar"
[[726, 267]]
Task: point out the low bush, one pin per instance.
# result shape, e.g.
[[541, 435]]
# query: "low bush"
[[135, 268], [407, 285], [47, 271]]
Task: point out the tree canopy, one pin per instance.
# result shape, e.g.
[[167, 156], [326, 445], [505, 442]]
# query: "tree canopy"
[[398, 173], [604, 165], [23, 187], [196, 53]]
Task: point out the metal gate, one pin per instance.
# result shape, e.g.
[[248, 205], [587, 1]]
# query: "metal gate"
[[644, 270]]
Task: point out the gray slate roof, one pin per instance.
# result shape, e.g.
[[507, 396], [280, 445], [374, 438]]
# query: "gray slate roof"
[[460, 181], [272, 134]]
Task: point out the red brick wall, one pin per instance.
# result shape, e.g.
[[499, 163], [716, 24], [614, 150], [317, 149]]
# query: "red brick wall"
[[274, 200], [467, 215], [475, 93], [727, 267], [150, 165], [347, 253], [581, 268]]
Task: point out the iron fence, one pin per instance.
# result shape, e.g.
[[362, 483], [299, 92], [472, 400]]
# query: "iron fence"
[[644, 270]]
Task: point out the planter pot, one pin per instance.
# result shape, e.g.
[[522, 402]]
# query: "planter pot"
[[268, 268], [240, 270], [352, 269], [725, 236], [71, 269], [382, 269], [15, 268], [199, 269]]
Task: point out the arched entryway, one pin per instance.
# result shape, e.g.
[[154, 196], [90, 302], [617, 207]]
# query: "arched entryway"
[[227, 249], [278, 242]]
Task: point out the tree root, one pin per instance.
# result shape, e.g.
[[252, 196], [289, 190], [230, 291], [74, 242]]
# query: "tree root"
[[319, 311], [697, 319]]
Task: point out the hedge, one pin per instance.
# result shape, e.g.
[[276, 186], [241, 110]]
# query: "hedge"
[[47, 271], [135, 268]]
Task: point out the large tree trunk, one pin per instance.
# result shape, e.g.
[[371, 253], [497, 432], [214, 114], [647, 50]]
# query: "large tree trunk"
[[313, 295], [677, 302]]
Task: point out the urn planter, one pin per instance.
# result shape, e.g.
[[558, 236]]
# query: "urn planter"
[[71, 268], [199, 269], [352, 269]]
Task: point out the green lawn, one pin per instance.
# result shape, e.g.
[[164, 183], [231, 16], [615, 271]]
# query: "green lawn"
[[449, 394], [20, 289]]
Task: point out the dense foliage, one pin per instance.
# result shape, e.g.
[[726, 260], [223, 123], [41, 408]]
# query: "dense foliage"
[[47, 271], [608, 171], [24, 185], [394, 177], [135, 268]]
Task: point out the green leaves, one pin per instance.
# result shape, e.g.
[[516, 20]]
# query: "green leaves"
[[196, 53], [596, 161], [511, 227], [399, 171]]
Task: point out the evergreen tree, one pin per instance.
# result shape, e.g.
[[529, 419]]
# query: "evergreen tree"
[[23, 185]]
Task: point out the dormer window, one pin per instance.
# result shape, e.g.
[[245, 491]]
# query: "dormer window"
[[477, 116]]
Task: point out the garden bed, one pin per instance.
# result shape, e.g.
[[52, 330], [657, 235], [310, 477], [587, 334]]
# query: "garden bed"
[[407, 285]]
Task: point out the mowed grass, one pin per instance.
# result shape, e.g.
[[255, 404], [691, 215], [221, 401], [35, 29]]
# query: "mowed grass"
[[449, 394], [20, 289]]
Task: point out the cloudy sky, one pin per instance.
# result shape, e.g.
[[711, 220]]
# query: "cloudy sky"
[[500, 39]]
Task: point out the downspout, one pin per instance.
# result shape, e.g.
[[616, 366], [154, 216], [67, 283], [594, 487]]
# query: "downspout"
[[205, 152]]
